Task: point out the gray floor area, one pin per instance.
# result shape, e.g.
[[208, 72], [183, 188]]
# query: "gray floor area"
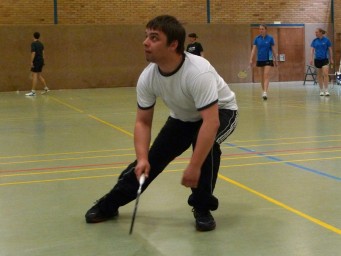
[[279, 184]]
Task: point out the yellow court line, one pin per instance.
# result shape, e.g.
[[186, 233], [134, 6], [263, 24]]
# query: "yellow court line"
[[281, 143], [63, 159], [312, 219], [174, 162], [66, 104], [303, 107], [111, 125], [239, 141], [269, 163], [280, 162], [267, 198], [68, 153], [62, 171], [93, 117], [255, 155], [293, 210], [291, 138], [247, 156], [54, 180], [66, 179]]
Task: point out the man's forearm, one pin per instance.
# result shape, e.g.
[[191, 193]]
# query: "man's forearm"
[[142, 138], [205, 140]]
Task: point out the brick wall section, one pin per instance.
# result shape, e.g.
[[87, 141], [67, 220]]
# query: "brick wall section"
[[337, 15], [128, 12], [262, 11], [26, 12], [230, 23], [337, 28]]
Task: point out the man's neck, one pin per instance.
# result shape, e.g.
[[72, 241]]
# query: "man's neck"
[[172, 64]]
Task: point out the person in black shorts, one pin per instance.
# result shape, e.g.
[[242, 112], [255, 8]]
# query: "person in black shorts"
[[37, 63], [321, 55], [194, 47], [264, 45]]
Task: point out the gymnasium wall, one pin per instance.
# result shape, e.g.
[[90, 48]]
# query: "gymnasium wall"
[[99, 43], [128, 12], [107, 55]]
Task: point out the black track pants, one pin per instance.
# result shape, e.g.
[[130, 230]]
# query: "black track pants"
[[174, 138]]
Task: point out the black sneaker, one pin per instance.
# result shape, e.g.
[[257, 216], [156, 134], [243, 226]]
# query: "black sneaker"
[[95, 214], [204, 220]]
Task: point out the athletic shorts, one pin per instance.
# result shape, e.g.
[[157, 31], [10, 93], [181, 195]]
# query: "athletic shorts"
[[321, 63], [265, 63], [37, 67]]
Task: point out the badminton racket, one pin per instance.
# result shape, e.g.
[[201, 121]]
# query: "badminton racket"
[[141, 181], [243, 73]]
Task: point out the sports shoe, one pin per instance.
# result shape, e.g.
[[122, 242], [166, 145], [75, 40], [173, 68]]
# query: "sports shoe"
[[46, 90], [326, 93], [204, 220], [264, 96], [95, 214], [30, 94], [321, 93]]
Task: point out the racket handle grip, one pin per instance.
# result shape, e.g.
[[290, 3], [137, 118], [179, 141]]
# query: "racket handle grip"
[[142, 179]]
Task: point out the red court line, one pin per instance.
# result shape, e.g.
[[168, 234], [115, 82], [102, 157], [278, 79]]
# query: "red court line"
[[179, 158]]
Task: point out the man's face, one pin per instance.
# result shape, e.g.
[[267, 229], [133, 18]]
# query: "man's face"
[[191, 39], [262, 30], [318, 33], [155, 46]]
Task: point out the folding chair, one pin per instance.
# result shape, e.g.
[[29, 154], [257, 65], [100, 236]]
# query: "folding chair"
[[310, 74]]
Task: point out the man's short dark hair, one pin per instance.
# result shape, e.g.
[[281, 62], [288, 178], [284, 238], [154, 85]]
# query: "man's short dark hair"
[[36, 35], [172, 28], [194, 35]]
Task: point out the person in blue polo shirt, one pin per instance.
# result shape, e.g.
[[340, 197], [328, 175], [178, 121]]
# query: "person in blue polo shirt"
[[321, 56], [264, 44]]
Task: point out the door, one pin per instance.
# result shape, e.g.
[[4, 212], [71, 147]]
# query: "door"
[[289, 44]]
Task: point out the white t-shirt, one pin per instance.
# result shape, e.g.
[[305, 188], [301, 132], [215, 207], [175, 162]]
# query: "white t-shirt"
[[194, 86]]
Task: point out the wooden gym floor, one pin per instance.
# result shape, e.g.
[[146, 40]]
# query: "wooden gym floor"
[[279, 184]]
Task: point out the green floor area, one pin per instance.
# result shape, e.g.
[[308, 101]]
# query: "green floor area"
[[279, 183]]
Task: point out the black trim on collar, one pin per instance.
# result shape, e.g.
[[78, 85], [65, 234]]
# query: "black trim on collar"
[[176, 70]]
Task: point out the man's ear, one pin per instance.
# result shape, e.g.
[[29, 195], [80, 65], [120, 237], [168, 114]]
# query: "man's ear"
[[174, 45]]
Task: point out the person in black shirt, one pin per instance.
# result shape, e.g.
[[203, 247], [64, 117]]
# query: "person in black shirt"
[[37, 63], [194, 47]]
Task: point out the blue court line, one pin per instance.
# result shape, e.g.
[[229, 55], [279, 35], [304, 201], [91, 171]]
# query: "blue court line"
[[276, 159]]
